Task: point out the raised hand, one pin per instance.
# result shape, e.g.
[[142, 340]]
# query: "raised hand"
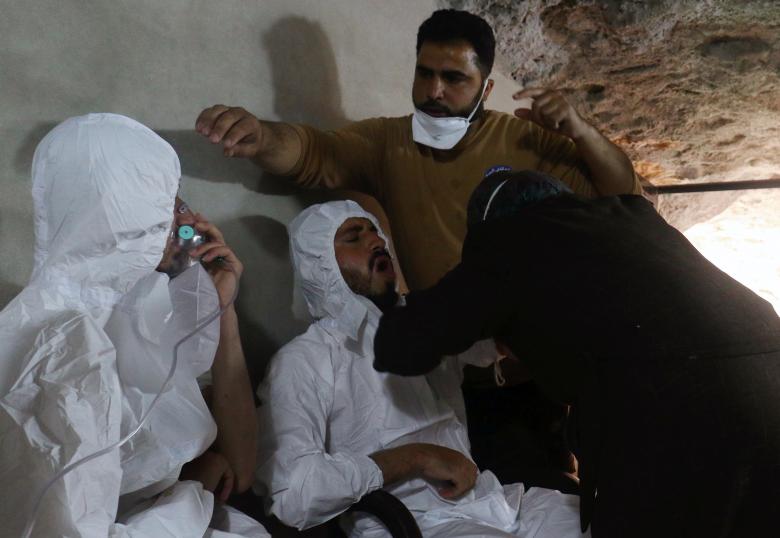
[[551, 110], [213, 471], [239, 131], [219, 259]]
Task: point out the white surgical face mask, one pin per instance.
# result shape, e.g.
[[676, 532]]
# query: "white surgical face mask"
[[442, 133]]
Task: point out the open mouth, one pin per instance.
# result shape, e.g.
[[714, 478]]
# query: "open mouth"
[[381, 263], [435, 112]]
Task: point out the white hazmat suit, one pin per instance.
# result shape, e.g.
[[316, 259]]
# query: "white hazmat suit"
[[88, 343], [324, 409]]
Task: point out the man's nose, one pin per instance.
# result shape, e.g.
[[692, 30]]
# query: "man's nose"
[[435, 89], [376, 242]]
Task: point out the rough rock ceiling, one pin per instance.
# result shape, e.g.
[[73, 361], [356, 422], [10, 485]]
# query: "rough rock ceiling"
[[690, 89]]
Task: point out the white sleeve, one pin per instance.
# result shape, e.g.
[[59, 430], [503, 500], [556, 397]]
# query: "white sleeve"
[[306, 484], [184, 509], [64, 405], [482, 354]]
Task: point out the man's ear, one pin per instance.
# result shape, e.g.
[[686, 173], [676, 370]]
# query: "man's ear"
[[488, 89]]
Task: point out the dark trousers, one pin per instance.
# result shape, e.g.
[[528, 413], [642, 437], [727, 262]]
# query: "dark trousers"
[[518, 434]]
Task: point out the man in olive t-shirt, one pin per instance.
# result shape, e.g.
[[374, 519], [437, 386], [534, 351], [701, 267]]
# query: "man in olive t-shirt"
[[422, 168], [424, 190]]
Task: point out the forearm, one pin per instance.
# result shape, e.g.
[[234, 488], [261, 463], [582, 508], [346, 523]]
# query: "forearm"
[[281, 148], [454, 472], [398, 464], [611, 169], [232, 403]]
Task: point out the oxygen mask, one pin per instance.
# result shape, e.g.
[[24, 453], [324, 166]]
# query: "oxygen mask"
[[184, 239]]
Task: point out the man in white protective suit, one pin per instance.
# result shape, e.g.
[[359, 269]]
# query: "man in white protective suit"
[[88, 344], [333, 429]]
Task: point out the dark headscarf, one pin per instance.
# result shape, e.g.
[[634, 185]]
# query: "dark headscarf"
[[504, 193]]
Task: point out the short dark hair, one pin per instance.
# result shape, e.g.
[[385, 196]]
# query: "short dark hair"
[[452, 25], [504, 193]]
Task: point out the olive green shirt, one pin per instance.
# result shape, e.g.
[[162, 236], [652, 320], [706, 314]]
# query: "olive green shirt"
[[425, 191]]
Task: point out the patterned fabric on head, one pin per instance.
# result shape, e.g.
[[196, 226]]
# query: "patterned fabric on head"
[[503, 194]]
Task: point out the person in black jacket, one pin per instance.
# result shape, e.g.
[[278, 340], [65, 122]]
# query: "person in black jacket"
[[672, 368]]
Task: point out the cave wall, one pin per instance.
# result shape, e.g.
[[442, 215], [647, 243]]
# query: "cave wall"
[[690, 89]]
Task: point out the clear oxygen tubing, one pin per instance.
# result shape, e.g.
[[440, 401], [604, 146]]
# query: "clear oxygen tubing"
[[200, 325]]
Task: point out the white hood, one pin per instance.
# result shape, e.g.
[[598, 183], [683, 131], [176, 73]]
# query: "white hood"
[[104, 188], [317, 273], [103, 191]]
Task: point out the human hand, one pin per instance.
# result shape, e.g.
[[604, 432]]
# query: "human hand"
[[213, 471], [219, 259], [503, 350], [239, 132], [551, 110], [450, 467]]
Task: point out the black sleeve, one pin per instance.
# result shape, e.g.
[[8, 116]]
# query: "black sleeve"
[[467, 305]]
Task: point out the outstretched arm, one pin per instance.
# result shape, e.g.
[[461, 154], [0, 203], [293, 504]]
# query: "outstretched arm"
[[346, 158], [467, 305], [610, 168]]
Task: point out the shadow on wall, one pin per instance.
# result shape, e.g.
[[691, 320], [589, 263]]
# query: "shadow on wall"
[[305, 74], [7, 292], [306, 90], [267, 283]]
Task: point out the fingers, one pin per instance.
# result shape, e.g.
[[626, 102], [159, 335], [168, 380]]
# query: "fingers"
[[215, 248], [225, 123], [461, 482], [452, 467], [208, 228], [529, 92], [228, 480], [213, 251], [549, 109], [208, 252], [207, 118], [234, 127], [245, 128]]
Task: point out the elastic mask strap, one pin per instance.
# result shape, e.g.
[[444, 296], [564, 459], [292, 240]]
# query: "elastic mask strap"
[[498, 373], [490, 200], [481, 95]]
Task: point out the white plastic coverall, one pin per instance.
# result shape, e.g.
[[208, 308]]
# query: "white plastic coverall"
[[87, 344], [324, 409]]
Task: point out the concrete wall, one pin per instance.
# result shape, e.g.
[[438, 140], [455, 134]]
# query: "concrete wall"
[[323, 62]]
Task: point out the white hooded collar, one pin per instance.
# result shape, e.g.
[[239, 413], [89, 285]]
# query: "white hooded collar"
[[328, 297]]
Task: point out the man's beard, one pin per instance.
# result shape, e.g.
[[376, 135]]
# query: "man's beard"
[[386, 300], [359, 285], [438, 107]]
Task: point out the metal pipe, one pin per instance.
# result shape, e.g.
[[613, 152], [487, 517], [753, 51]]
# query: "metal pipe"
[[712, 186]]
